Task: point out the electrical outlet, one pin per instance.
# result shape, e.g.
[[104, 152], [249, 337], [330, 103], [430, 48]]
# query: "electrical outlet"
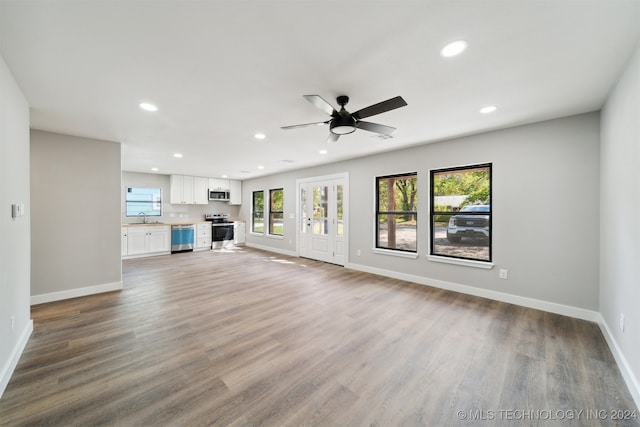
[[504, 274], [358, 252], [13, 323], [622, 322]]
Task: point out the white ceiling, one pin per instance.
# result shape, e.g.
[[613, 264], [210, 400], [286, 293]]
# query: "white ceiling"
[[220, 71]]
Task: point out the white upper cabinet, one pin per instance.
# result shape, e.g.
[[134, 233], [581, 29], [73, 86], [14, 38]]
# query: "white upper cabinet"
[[194, 190], [218, 184], [235, 192], [200, 190], [181, 189]]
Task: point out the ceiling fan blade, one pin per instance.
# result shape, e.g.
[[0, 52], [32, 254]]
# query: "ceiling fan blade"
[[374, 127], [332, 138], [305, 125], [321, 104], [380, 107]]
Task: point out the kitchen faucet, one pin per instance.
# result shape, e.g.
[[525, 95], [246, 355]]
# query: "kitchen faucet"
[[144, 217]]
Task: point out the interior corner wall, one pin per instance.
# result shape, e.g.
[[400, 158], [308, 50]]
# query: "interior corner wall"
[[620, 218], [15, 322], [545, 213], [75, 192]]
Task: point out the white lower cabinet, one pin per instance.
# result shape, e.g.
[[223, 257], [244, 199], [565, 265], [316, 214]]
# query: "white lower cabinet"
[[203, 236], [159, 239], [146, 240], [239, 231]]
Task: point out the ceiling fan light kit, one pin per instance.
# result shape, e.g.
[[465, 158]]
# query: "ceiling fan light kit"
[[342, 122]]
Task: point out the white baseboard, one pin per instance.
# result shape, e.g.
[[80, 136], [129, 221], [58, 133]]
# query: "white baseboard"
[[551, 307], [10, 366], [271, 249], [632, 382], [74, 293], [593, 316]]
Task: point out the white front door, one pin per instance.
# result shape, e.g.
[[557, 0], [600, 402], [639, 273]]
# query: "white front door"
[[322, 219]]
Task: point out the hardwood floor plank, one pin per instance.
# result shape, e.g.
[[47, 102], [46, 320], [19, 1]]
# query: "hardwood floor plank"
[[249, 338]]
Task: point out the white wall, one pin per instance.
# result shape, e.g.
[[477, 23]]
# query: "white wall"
[[15, 237], [75, 192], [170, 213], [620, 220], [545, 207]]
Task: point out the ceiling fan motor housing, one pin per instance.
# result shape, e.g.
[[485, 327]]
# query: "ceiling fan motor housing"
[[342, 125]]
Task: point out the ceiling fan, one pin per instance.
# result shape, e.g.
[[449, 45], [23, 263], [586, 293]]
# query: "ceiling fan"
[[343, 122]]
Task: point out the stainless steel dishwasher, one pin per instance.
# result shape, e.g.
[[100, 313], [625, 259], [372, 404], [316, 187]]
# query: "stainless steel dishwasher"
[[182, 237]]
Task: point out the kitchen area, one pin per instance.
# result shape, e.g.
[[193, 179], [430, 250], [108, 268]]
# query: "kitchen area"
[[164, 214]]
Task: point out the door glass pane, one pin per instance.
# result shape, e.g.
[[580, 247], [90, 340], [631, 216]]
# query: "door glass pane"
[[339, 200], [320, 225], [303, 210]]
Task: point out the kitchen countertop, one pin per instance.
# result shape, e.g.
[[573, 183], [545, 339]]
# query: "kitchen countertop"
[[159, 224]]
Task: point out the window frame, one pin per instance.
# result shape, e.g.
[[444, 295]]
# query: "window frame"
[[254, 212], [432, 212], [384, 249], [152, 202], [271, 212]]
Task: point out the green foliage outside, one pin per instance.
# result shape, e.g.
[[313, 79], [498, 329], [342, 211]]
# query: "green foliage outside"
[[258, 212], [404, 196], [473, 184]]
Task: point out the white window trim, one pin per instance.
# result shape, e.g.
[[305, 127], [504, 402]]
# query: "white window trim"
[[459, 261], [392, 252]]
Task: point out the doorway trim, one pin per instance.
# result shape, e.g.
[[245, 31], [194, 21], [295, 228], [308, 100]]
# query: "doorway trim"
[[345, 208]]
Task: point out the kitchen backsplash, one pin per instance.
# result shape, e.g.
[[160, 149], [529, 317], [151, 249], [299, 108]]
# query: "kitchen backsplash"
[[170, 213]]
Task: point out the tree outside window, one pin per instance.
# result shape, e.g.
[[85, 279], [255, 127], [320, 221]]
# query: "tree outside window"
[[396, 212], [461, 212], [276, 211], [257, 212]]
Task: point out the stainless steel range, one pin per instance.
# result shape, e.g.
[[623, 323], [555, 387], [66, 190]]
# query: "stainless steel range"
[[221, 230]]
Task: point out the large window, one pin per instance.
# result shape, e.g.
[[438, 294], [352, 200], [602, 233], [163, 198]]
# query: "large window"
[[461, 212], [396, 212], [141, 201], [257, 212], [276, 212]]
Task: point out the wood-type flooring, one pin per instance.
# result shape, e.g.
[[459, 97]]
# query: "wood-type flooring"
[[250, 338]]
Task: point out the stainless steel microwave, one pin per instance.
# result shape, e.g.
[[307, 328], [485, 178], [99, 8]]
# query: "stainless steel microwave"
[[219, 195]]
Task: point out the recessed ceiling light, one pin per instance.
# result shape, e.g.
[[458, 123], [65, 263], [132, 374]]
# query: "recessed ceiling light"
[[488, 109], [154, 169], [225, 176], [259, 135], [148, 107], [453, 48], [322, 152], [178, 155], [260, 167]]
